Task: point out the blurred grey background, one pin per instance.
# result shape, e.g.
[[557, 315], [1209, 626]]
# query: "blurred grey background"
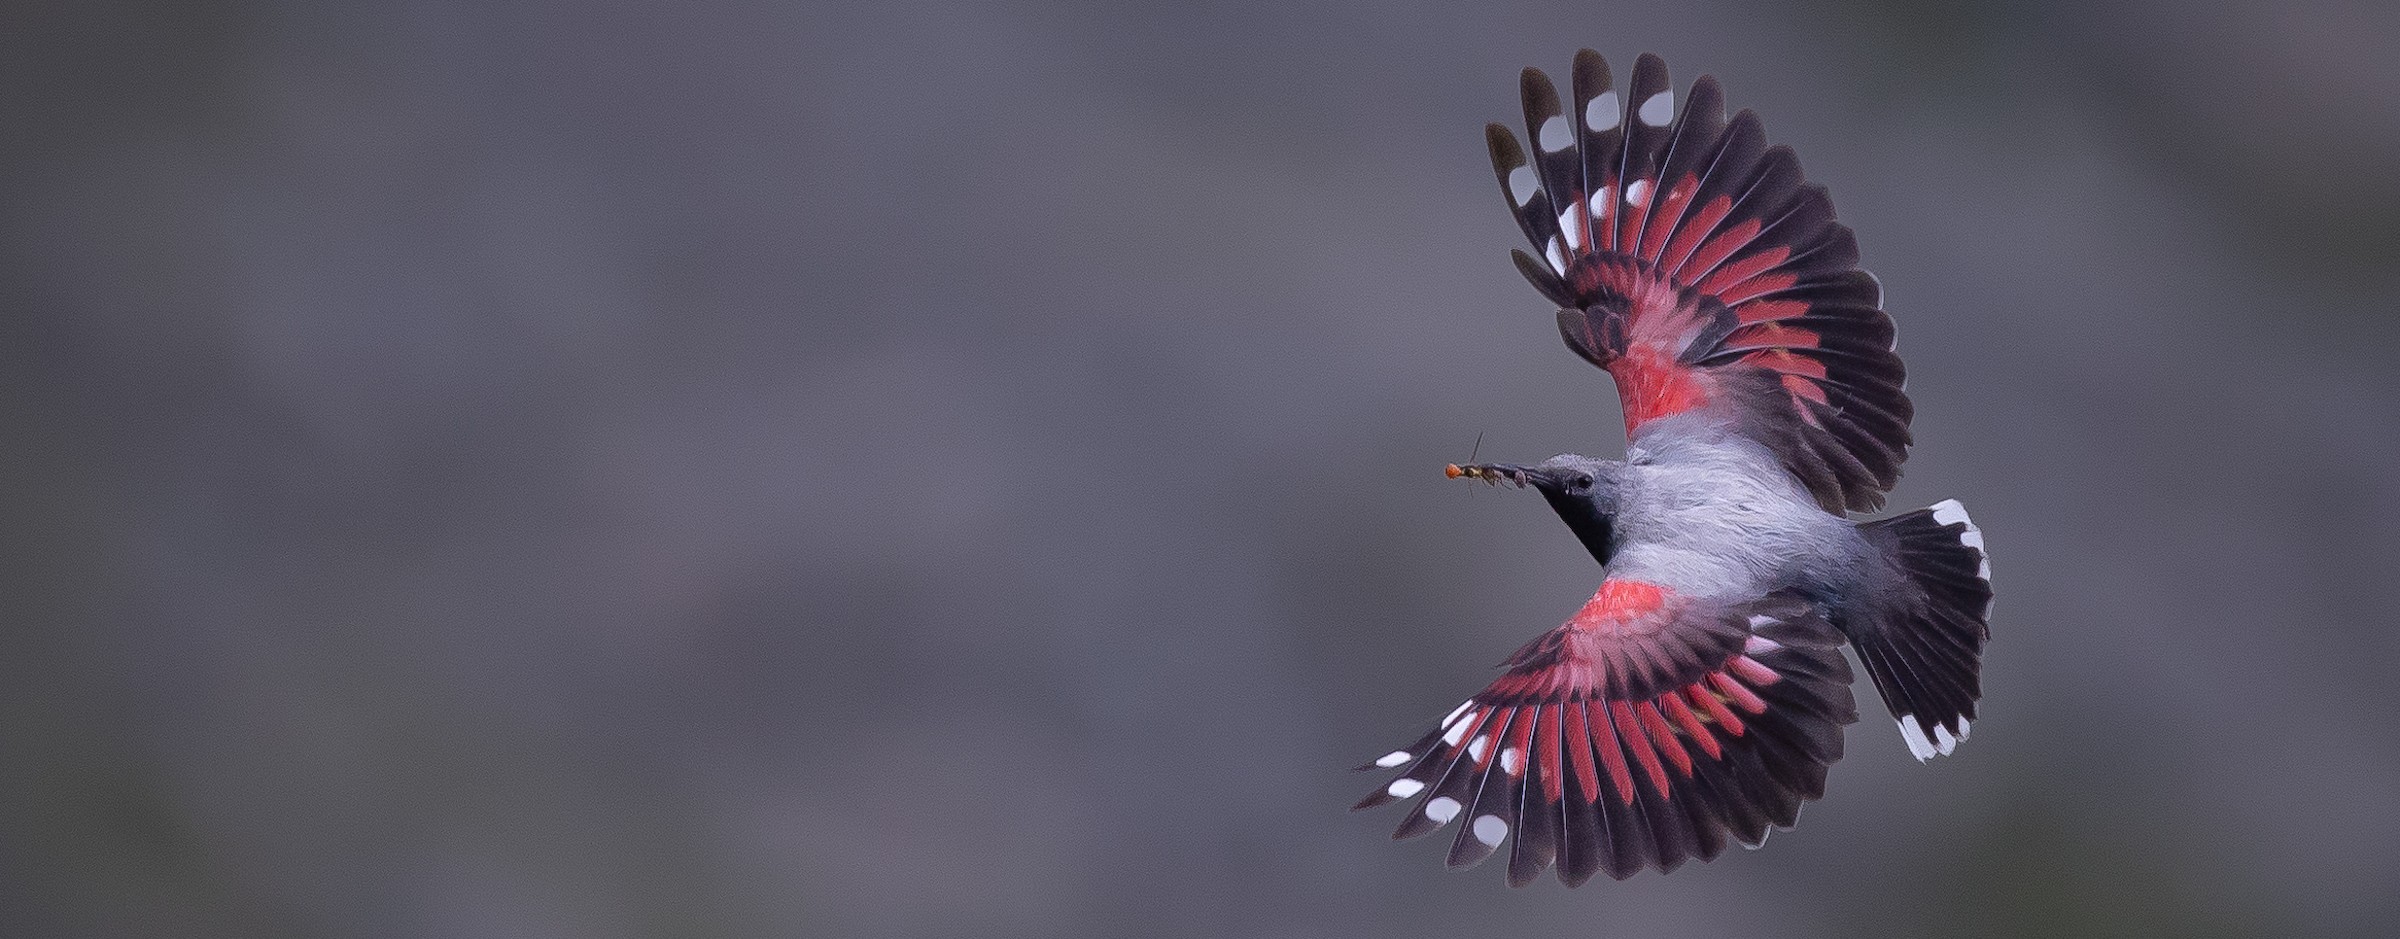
[[754, 469]]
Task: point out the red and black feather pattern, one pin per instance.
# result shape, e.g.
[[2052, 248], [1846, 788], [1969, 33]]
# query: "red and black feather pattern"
[[1642, 733], [1694, 263]]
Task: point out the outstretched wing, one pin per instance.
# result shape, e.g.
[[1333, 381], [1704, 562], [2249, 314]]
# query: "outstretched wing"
[[1639, 734], [1692, 262]]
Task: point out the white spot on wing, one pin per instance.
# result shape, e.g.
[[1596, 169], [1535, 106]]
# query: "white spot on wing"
[[1604, 200], [1442, 809], [1660, 109], [1456, 711], [1569, 230], [1600, 114], [1919, 745], [1512, 760], [1555, 135], [1393, 758], [1637, 192], [1403, 788], [1490, 830], [1942, 739], [1558, 262], [1475, 749], [1760, 619], [1962, 728], [1949, 512], [1522, 186], [1759, 645], [1457, 732]]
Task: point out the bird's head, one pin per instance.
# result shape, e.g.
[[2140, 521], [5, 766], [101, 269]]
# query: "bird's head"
[[1582, 490]]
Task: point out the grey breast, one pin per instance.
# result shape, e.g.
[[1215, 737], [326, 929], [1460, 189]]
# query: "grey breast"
[[1715, 515]]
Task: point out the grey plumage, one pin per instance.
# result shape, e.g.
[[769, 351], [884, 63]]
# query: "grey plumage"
[[1715, 514]]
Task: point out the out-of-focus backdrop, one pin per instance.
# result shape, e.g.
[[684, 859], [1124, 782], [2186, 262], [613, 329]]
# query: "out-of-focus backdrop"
[[752, 469]]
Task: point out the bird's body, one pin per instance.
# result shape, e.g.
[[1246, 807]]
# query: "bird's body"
[[1711, 513], [1700, 693]]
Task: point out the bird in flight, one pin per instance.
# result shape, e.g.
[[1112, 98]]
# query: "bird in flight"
[[1700, 695]]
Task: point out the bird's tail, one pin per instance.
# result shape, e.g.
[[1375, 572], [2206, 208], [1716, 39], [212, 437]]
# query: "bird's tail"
[[1922, 638]]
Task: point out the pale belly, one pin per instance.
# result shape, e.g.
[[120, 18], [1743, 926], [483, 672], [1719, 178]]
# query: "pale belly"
[[1727, 522]]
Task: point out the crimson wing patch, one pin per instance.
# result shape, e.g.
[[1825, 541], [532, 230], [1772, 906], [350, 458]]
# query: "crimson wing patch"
[[1639, 734], [1694, 263]]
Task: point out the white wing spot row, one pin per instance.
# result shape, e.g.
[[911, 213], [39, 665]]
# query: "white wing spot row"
[[1600, 114], [1457, 732], [1659, 110], [1522, 186], [1555, 135]]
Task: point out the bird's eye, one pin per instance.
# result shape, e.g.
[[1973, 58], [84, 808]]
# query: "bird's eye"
[[1583, 481]]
